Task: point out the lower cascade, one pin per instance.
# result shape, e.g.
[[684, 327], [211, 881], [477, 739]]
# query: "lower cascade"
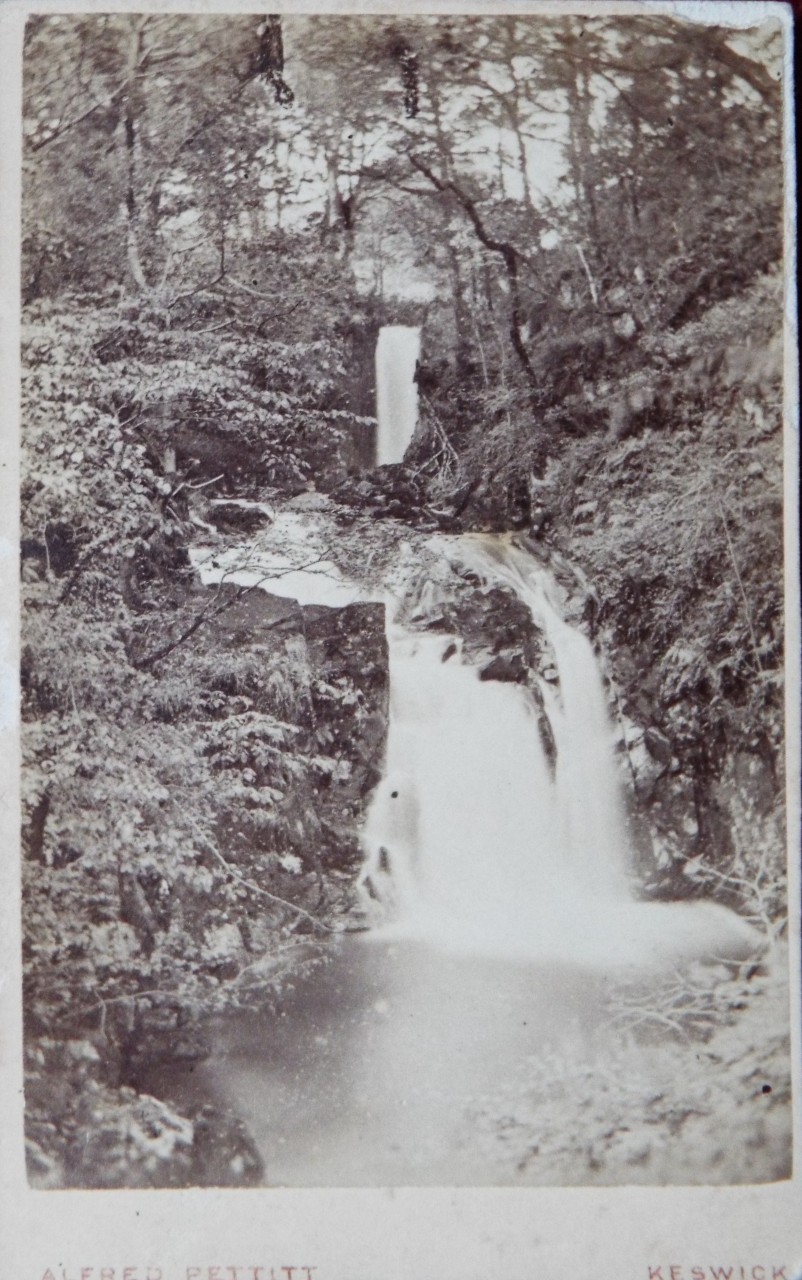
[[481, 840], [500, 919]]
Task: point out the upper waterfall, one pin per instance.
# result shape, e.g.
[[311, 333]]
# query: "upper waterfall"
[[397, 352]]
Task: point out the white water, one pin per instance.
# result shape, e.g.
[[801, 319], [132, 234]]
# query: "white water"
[[288, 559], [474, 843], [397, 352], [508, 910], [590, 835], [477, 846]]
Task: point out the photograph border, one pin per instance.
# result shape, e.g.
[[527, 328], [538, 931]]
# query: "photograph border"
[[533, 1233]]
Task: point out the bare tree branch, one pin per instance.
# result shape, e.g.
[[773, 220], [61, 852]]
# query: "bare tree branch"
[[508, 253], [255, 888], [209, 612]]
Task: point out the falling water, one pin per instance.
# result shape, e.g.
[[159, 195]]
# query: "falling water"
[[476, 843], [397, 352], [591, 836]]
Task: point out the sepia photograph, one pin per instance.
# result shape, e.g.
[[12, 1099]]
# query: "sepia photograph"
[[403, 562]]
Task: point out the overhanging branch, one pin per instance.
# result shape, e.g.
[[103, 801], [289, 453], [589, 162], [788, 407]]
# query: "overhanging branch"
[[506, 251]]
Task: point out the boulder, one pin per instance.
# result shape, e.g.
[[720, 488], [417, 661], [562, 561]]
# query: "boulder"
[[233, 517], [509, 668], [658, 745], [646, 770], [309, 500]]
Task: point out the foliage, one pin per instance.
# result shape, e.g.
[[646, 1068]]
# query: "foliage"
[[210, 239], [651, 1109], [174, 832], [688, 570]]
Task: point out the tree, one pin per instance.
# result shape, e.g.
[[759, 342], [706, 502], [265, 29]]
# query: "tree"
[[116, 122]]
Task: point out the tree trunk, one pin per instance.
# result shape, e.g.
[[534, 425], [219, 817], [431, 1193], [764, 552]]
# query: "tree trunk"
[[129, 143], [509, 256], [458, 299], [333, 210]]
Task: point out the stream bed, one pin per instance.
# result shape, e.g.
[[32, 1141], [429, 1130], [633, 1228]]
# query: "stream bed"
[[371, 1070]]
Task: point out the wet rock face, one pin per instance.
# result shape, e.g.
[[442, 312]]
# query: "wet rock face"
[[661, 797], [340, 660], [323, 672], [701, 821], [312, 447], [658, 745], [496, 628], [349, 689], [510, 670]]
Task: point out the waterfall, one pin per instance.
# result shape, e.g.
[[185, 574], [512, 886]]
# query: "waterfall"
[[397, 352], [592, 836], [477, 843]]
